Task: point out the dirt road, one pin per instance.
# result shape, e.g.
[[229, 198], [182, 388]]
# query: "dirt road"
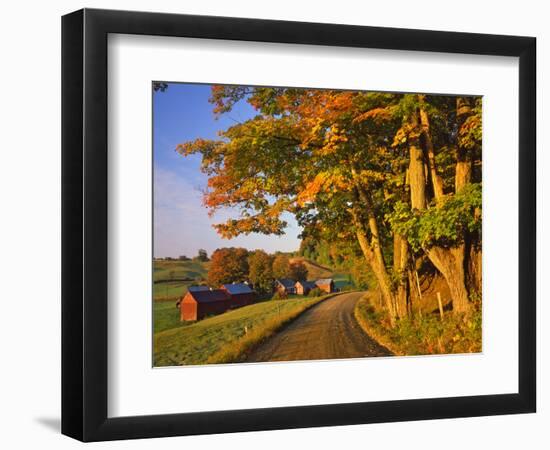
[[326, 331]]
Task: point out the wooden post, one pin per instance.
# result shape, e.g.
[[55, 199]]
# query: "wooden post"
[[440, 305], [418, 285]]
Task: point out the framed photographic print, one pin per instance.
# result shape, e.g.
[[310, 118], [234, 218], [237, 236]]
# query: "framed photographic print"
[[268, 224]]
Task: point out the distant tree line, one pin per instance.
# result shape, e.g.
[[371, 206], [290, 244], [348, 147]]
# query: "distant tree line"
[[201, 256], [233, 265]]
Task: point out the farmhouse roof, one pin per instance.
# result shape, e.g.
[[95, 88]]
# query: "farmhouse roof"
[[307, 284], [198, 288], [323, 281], [238, 288], [286, 282], [209, 296]]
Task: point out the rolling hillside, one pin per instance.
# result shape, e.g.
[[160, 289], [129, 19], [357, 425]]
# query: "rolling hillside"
[[316, 271], [171, 278]]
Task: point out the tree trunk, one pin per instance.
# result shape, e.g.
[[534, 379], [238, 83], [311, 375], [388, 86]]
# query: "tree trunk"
[[380, 272], [463, 174], [373, 250], [417, 180], [400, 260], [473, 268], [450, 262], [437, 182]]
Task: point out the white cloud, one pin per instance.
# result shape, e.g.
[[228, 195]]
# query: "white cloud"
[[182, 225]]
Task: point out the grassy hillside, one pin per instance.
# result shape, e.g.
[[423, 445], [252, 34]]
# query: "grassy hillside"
[[223, 338], [168, 270], [316, 271], [166, 315], [171, 278]]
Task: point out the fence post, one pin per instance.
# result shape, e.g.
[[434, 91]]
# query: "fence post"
[[440, 305]]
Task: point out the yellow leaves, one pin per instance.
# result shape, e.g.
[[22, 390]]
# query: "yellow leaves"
[[334, 138], [259, 223], [405, 133]]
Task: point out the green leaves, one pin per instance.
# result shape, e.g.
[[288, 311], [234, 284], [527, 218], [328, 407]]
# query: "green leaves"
[[444, 225]]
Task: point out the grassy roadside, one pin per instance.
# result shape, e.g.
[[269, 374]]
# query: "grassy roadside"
[[421, 335], [372, 327], [227, 337]]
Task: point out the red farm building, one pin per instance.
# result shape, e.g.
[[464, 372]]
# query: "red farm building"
[[304, 287], [284, 286], [199, 303], [240, 294], [325, 284]]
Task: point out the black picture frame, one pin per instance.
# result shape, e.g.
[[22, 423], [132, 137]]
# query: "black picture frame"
[[84, 224]]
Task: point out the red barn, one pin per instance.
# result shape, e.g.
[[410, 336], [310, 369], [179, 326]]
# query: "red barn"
[[325, 284], [304, 287], [240, 294], [197, 304]]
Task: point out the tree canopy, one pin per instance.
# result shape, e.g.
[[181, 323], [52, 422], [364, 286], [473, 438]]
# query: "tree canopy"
[[394, 177]]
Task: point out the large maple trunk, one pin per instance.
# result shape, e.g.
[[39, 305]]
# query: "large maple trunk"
[[449, 261], [473, 266]]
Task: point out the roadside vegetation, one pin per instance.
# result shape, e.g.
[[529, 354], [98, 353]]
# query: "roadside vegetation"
[[421, 334], [227, 337], [171, 278]]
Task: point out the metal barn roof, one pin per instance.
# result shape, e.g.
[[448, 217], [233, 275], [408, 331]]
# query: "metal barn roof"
[[198, 288], [307, 284], [286, 282], [209, 296], [238, 288]]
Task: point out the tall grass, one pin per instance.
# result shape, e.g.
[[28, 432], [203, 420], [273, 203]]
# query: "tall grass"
[[422, 335], [166, 315], [227, 337]]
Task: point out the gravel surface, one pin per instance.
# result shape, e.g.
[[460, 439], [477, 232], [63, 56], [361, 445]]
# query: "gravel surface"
[[325, 331]]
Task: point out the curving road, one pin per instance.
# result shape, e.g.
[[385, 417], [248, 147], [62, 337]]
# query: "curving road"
[[325, 331]]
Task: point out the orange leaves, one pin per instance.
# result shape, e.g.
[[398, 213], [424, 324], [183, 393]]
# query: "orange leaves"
[[334, 138], [259, 223], [324, 182], [378, 115], [198, 145]]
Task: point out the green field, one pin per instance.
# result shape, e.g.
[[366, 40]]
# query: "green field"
[[171, 278], [222, 338], [342, 281], [166, 315]]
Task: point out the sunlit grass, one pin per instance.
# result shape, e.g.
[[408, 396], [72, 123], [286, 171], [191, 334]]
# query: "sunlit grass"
[[228, 336]]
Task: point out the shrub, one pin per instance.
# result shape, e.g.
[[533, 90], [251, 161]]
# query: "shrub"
[[279, 296], [315, 292]]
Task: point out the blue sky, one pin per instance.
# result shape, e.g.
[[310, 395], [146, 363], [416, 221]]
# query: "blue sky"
[[181, 222]]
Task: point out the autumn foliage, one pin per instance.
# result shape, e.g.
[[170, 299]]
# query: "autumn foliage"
[[396, 178]]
